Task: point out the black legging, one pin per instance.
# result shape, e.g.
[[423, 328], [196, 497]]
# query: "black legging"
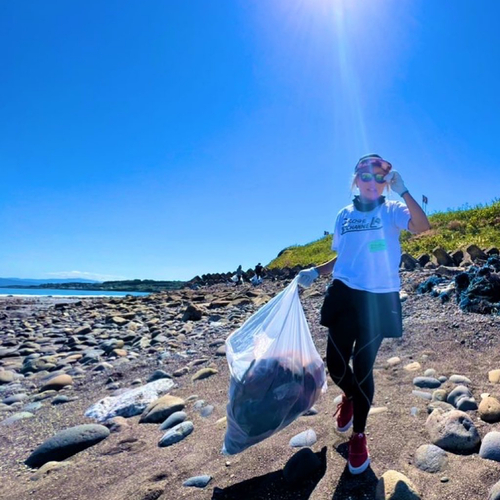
[[357, 383]]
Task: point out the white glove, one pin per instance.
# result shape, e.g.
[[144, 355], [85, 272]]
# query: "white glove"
[[307, 276], [396, 183]]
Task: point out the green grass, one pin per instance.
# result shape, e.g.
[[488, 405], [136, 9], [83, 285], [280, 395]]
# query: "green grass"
[[452, 230]]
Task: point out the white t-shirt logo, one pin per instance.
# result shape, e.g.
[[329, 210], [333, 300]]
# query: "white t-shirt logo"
[[352, 224]]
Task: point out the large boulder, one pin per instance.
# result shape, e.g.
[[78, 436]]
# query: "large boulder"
[[130, 403], [66, 443], [453, 431]]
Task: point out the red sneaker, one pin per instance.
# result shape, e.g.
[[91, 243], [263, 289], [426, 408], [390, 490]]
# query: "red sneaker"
[[358, 459], [344, 413]]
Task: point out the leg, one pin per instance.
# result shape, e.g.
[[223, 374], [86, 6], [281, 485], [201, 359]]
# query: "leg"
[[365, 353], [338, 353]]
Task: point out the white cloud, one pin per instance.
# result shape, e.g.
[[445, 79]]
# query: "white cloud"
[[85, 275]]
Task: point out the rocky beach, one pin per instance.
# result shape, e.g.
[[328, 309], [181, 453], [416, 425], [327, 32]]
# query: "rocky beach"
[[125, 398]]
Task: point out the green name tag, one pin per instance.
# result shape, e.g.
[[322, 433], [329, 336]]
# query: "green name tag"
[[378, 246]]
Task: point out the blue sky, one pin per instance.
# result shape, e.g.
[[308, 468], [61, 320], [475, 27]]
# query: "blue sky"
[[165, 139]]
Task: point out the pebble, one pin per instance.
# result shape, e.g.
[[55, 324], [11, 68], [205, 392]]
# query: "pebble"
[[426, 382], [490, 447], [197, 481], [395, 486], [306, 438], [177, 433], [489, 409], [431, 458], [174, 419]]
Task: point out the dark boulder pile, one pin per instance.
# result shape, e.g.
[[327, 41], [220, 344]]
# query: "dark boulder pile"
[[476, 290]]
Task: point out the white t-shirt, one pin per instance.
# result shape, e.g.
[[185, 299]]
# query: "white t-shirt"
[[368, 246]]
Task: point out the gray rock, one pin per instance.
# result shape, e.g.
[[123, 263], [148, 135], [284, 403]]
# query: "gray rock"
[[130, 403], [66, 443], [460, 379], [426, 382], [422, 394], [161, 409], [32, 407], [301, 466], [207, 411], [158, 374], [431, 458], [22, 415], [490, 447], [174, 419], [459, 393], [306, 438], [495, 492], [466, 404], [453, 431], [439, 404], [16, 398], [176, 433], [197, 481]]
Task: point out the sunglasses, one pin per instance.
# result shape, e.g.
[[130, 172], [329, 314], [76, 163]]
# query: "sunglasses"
[[368, 176]]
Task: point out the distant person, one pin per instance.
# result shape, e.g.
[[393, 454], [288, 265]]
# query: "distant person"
[[362, 304], [258, 270], [239, 275]]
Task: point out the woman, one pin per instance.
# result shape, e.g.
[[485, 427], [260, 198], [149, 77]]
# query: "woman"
[[362, 304]]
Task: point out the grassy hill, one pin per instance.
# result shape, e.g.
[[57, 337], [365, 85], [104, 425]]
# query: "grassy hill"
[[451, 230]]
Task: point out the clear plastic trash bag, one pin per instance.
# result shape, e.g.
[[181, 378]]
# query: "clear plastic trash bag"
[[276, 372]]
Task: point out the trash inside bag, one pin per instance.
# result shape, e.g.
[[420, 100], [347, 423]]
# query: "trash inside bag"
[[276, 372]]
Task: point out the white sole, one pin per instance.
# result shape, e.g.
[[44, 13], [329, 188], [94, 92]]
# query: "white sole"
[[346, 427], [360, 469]]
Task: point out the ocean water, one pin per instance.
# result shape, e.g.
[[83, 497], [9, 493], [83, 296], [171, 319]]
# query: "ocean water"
[[47, 292]]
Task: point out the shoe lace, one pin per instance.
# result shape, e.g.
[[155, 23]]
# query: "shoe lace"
[[340, 405]]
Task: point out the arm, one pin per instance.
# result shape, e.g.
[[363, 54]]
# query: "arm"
[[419, 221]]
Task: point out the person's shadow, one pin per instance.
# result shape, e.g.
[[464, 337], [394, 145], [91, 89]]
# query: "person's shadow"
[[359, 487], [273, 485]]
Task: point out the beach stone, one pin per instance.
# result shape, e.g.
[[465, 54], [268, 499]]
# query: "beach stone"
[[66, 443], [489, 409], [459, 379], [204, 373], [306, 438], [301, 466], [311, 412], [48, 468], [57, 383], [442, 378], [207, 411], [32, 407], [161, 409], [494, 376], [181, 371], [461, 392], [44, 395], [413, 367], [174, 419], [426, 382], [394, 361], [197, 481], [62, 399], [439, 404], [7, 376], [490, 446], [22, 415], [495, 492], [16, 398], [176, 433], [453, 431], [466, 404], [192, 313], [157, 375], [131, 402], [430, 372], [439, 395], [403, 296], [395, 486], [431, 458], [422, 395]]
